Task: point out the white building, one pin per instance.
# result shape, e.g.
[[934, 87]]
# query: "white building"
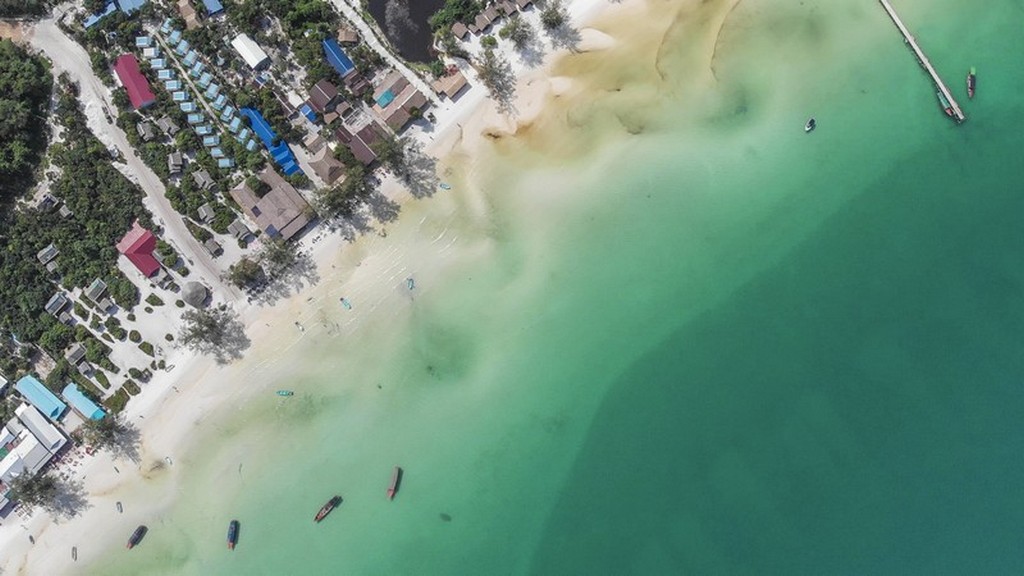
[[250, 51], [27, 443]]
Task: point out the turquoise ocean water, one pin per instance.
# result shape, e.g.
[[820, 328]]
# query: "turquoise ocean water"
[[677, 335]]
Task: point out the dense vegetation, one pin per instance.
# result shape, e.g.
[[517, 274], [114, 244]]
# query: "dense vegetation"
[[103, 205], [25, 84], [455, 11], [307, 23], [23, 8]]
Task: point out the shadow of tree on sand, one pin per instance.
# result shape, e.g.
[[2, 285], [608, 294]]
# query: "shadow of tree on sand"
[[288, 280], [70, 500]]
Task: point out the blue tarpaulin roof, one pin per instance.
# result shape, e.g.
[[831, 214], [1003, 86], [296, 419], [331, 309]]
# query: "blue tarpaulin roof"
[[337, 58], [81, 403], [213, 7], [40, 397], [308, 112], [278, 148], [93, 19]]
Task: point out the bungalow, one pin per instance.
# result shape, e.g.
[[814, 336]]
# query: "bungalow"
[[173, 85], [188, 14], [281, 212], [158, 64], [64, 211], [251, 145], [197, 69], [450, 84], [323, 96], [220, 102], [46, 255], [212, 91], [137, 245], [459, 30], [175, 162], [327, 167], [506, 7], [96, 292], [191, 58], [243, 135], [127, 69], [196, 118], [235, 125], [239, 230], [180, 95], [213, 7], [360, 142], [182, 48], [203, 180], [227, 113], [211, 141], [145, 130], [397, 101], [187, 107], [56, 304], [348, 35], [143, 41], [204, 129], [213, 247], [165, 74], [174, 37], [215, 152], [205, 80], [250, 51], [225, 163], [75, 354], [151, 52], [168, 126]]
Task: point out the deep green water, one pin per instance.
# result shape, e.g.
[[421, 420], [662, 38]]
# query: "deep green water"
[[701, 343]]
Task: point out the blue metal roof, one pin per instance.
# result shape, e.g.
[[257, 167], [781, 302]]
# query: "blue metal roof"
[[337, 58], [143, 41], [215, 152], [182, 47], [190, 58], [180, 96], [197, 69], [225, 163], [213, 7], [196, 118], [205, 79], [211, 140], [175, 37], [40, 397], [129, 6], [277, 147], [82, 403], [212, 91], [165, 74]]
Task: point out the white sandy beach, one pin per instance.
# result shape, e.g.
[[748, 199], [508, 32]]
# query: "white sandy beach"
[[173, 403]]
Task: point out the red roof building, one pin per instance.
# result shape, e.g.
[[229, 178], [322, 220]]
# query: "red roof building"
[[127, 69], [138, 245]]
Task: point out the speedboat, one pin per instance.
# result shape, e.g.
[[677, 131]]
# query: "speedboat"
[[137, 536], [811, 125], [232, 534], [326, 508], [285, 393]]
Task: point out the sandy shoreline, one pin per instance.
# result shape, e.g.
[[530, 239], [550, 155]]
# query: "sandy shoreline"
[[173, 403]]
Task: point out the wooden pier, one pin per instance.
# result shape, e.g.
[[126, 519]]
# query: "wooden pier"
[[958, 114]]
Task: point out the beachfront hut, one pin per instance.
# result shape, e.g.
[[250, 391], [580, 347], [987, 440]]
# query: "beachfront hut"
[[196, 118], [82, 404], [165, 74], [172, 85], [40, 397]]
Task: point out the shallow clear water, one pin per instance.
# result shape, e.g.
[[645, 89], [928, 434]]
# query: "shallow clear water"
[[677, 335]]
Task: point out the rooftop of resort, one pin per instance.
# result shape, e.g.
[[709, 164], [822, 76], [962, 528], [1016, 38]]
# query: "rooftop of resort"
[[281, 212], [127, 69], [40, 396], [137, 245]]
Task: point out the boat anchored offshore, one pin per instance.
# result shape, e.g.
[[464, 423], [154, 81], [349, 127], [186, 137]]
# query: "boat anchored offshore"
[[396, 479], [945, 104], [232, 534], [972, 82], [137, 536], [811, 125], [285, 393], [326, 508]]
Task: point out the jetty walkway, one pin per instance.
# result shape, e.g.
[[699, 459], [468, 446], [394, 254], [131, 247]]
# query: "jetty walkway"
[[958, 114]]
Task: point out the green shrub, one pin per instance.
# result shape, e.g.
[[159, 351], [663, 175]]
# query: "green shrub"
[[102, 379], [134, 372], [148, 310], [154, 300], [131, 317], [168, 337], [134, 336], [80, 311], [117, 402], [146, 347], [161, 365], [183, 271], [179, 303], [131, 387], [106, 336]]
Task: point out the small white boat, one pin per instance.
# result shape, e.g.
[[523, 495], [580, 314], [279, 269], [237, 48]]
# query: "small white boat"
[[811, 125], [444, 186]]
